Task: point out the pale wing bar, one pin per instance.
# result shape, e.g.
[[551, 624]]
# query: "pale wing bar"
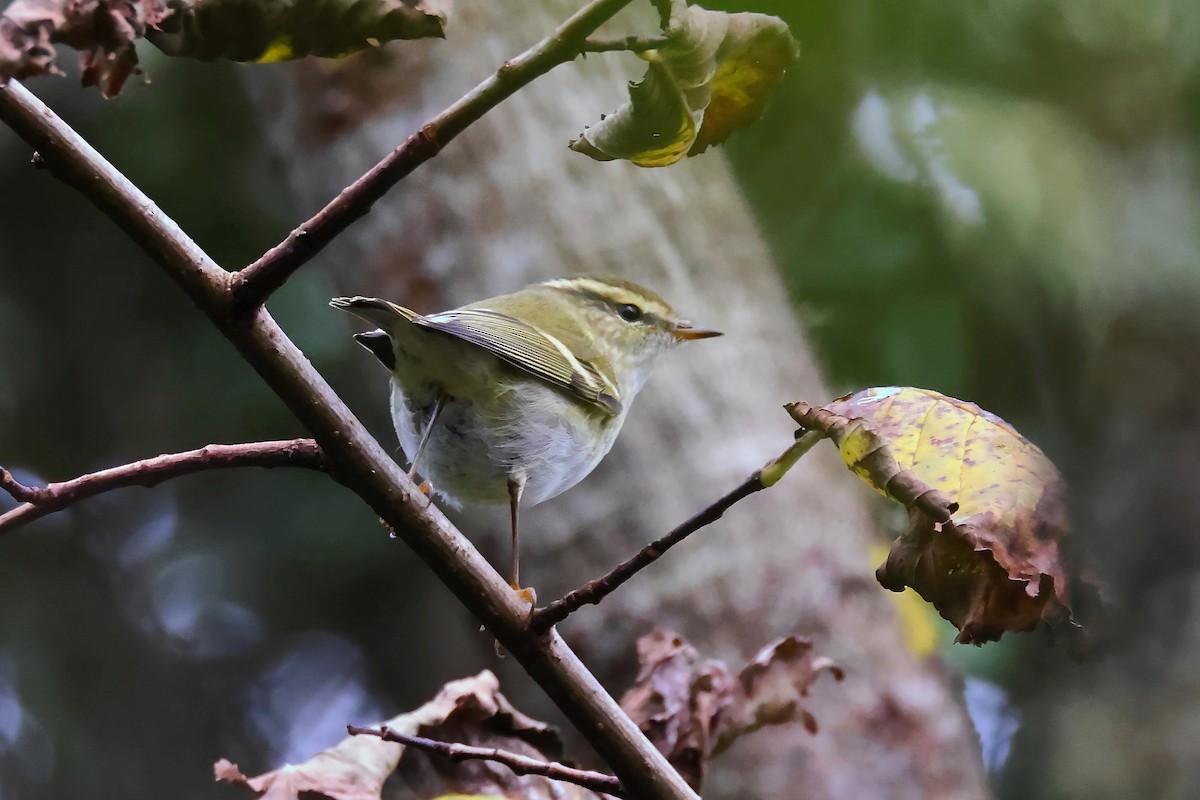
[[530, 349]]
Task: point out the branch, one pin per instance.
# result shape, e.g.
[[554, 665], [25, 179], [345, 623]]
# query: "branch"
[[255, 283], [596, 590], [38, 502], [631, 44], [519, 764], [354, 457]]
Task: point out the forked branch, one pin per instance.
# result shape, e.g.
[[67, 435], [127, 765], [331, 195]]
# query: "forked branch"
[[37, 502], [354, 456], [254, 284]]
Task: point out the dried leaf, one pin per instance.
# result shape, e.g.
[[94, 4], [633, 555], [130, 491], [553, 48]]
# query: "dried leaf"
[[265, 31], [104, 31], [693, 709], [712, 77], [919, 624], [987, 516], [468, 711], [772, 685]]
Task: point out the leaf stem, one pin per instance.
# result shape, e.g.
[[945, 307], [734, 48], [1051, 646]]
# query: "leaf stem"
[[630, 44]]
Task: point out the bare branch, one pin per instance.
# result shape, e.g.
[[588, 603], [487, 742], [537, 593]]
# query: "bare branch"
[[254, 284], [521, 765], [148, 472], [19, 491], [596, 590], [355, 458], [630, 44]]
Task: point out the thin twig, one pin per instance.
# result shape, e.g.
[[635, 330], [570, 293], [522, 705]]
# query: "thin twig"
[[903, 485], [596, 590], [630, 44], [356, 459], [38, 502], [521, 765], [19, 491], [255, 283]]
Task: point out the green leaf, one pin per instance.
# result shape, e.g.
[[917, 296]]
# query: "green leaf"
[[712, 77]]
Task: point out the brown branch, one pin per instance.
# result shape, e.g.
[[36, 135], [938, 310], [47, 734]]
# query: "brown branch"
[[38, 502], [255, 283], [519, 764], [630, 44], [355, 458], [596, 590]]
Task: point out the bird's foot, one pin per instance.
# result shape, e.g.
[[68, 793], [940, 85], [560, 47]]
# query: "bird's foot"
[[527, 595], [388, 527]]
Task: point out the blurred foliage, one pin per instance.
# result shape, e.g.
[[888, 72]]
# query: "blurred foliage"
[[996, 200], [1000, 201]]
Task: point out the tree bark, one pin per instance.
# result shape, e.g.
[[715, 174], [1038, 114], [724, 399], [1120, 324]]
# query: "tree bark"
[[507, 204]]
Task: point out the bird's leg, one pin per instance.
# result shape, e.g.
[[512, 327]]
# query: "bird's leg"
[[516, 485], [433, 415]]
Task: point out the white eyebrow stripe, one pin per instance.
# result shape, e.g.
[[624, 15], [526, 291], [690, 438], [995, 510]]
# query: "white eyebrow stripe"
[[586, 284]]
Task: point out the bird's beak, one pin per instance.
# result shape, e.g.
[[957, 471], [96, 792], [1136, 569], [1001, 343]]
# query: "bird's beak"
[[684, 332]]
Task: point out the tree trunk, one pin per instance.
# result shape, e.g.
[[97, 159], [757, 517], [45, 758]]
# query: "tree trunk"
[[506, 204]]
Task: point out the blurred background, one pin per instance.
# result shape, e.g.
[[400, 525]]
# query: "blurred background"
[[999, 201]]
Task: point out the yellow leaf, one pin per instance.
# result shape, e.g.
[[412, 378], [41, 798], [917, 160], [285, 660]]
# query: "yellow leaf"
[[279, 50], [987, 516], [713, 76], [917, 628], [972, 455]]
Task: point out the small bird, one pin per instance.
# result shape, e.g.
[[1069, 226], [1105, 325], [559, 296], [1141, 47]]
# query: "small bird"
[[516, 398]]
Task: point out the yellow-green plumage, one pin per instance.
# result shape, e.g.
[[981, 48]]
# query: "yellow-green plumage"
[[531, 387]]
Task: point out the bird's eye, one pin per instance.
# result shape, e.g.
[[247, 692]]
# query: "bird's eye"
[[629, 312]]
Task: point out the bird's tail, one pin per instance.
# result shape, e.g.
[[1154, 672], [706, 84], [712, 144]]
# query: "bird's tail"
[[373, 310]]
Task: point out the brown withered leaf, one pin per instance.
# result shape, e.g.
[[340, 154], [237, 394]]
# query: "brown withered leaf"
[[103, 31], [469, 711], [987, 517], [266, 31], [693, 709]]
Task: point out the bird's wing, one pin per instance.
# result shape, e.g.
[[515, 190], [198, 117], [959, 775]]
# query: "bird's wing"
[[373, 310], [531, 349]]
